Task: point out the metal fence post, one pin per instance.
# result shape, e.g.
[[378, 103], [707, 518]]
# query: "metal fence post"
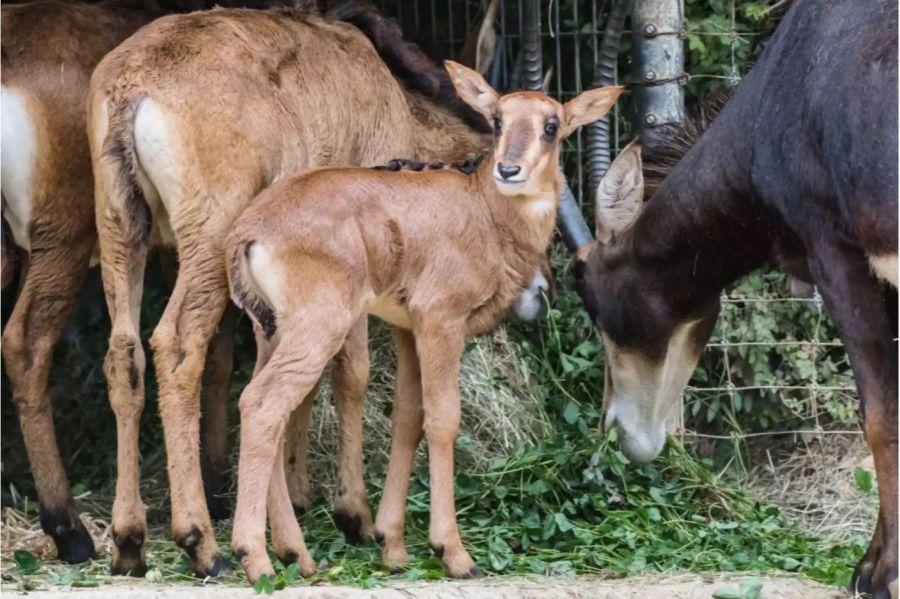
[[658, 62]]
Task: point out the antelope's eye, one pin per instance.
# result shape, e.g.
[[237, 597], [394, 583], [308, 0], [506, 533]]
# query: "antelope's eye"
[[497, 124], [550, 129]]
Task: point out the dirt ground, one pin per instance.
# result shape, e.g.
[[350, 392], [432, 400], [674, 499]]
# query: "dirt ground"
[[582, 587]]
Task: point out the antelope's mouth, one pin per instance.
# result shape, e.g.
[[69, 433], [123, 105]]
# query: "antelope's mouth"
[[510, 182]]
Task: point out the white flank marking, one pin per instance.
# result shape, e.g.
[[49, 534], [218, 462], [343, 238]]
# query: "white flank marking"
[[18, 155]]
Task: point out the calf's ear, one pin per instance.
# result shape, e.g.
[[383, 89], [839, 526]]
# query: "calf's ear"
[[473, 89], [620, 195], [589, 106]]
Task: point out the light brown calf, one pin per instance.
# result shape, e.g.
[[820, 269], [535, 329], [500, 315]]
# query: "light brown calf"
[[49, 51], [188, 120], [439, 254]]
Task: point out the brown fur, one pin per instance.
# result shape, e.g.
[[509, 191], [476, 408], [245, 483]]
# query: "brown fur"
[[438, 253], [48, 52], [298, 90]]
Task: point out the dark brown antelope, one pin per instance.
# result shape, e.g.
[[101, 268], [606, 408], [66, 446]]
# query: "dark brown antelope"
[[437, 253], [180, 145], [800, 165], [49, 50]]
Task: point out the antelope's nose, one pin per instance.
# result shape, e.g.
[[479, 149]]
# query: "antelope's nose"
[[506, 171]]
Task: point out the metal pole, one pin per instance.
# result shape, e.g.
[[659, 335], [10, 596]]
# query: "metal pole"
[[658, 62], [575, 232]]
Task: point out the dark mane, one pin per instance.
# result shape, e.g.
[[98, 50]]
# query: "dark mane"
[[405, 59], [466, 166], [662, 150]]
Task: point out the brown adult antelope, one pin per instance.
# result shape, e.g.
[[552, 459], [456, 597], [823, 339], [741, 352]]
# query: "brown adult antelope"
[[437, 253], [48, 52], [188, 120], [802, 164]]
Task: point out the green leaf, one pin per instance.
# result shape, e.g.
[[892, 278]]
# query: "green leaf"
[[572, 412], [790, 563], [864, 480], [263, 585], [727, 594], [26, 562], [751, 588]]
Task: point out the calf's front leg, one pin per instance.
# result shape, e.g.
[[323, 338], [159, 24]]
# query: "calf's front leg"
[[440, 347]]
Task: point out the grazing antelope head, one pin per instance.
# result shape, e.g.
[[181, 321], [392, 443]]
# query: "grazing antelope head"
[[652, 332]]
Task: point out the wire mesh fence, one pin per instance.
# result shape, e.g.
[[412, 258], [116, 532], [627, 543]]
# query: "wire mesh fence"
[[752, 358]]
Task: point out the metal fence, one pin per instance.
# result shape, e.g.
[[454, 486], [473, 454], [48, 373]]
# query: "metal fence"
[[571, 32]]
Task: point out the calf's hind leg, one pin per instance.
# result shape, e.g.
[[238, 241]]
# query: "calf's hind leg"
[[50, 290], [856, 302], [349, 380], [304, 344]]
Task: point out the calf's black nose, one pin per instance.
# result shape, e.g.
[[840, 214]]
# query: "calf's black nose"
[[507, 171]]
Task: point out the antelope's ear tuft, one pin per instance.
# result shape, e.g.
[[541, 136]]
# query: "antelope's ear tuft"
[[620, 195], [473, 89], [590, 106]]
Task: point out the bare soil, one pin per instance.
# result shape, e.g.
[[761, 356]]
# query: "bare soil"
[[582, 587]]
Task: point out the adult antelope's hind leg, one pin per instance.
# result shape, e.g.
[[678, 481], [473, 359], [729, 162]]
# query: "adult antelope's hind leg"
[[180, 342], [440, 345], [349, 381], [214, 446], [856, 302], [48, 294], [406, 432], [122, 262], [302, 350]]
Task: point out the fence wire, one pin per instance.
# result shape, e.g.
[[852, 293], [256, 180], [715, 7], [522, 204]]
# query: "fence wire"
[[571, 33]]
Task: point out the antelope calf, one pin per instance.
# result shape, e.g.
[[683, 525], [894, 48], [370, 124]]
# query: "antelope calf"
[[438, 253]]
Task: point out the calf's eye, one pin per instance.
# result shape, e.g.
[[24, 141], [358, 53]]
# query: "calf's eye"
[[550, 129]]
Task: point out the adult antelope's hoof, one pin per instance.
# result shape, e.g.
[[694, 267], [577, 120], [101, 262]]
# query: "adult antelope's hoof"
[[128, 553], [73, 542], [357, 528], [861, 582]]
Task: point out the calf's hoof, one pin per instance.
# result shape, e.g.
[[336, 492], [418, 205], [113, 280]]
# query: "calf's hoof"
[[73, 542], [457, 563], [393, 552], [128, 553], [254, 565], [302, 559], [202, 550]]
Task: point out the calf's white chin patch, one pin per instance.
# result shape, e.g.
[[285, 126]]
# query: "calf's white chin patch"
[[529, 305]]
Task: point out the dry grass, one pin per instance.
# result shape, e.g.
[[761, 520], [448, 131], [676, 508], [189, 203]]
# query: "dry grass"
[[813, 483]]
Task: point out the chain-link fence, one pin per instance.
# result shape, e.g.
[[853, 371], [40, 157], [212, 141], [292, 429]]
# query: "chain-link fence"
[[774, 365]]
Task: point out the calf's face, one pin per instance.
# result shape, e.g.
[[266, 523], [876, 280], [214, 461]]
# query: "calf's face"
[[528, 128]]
